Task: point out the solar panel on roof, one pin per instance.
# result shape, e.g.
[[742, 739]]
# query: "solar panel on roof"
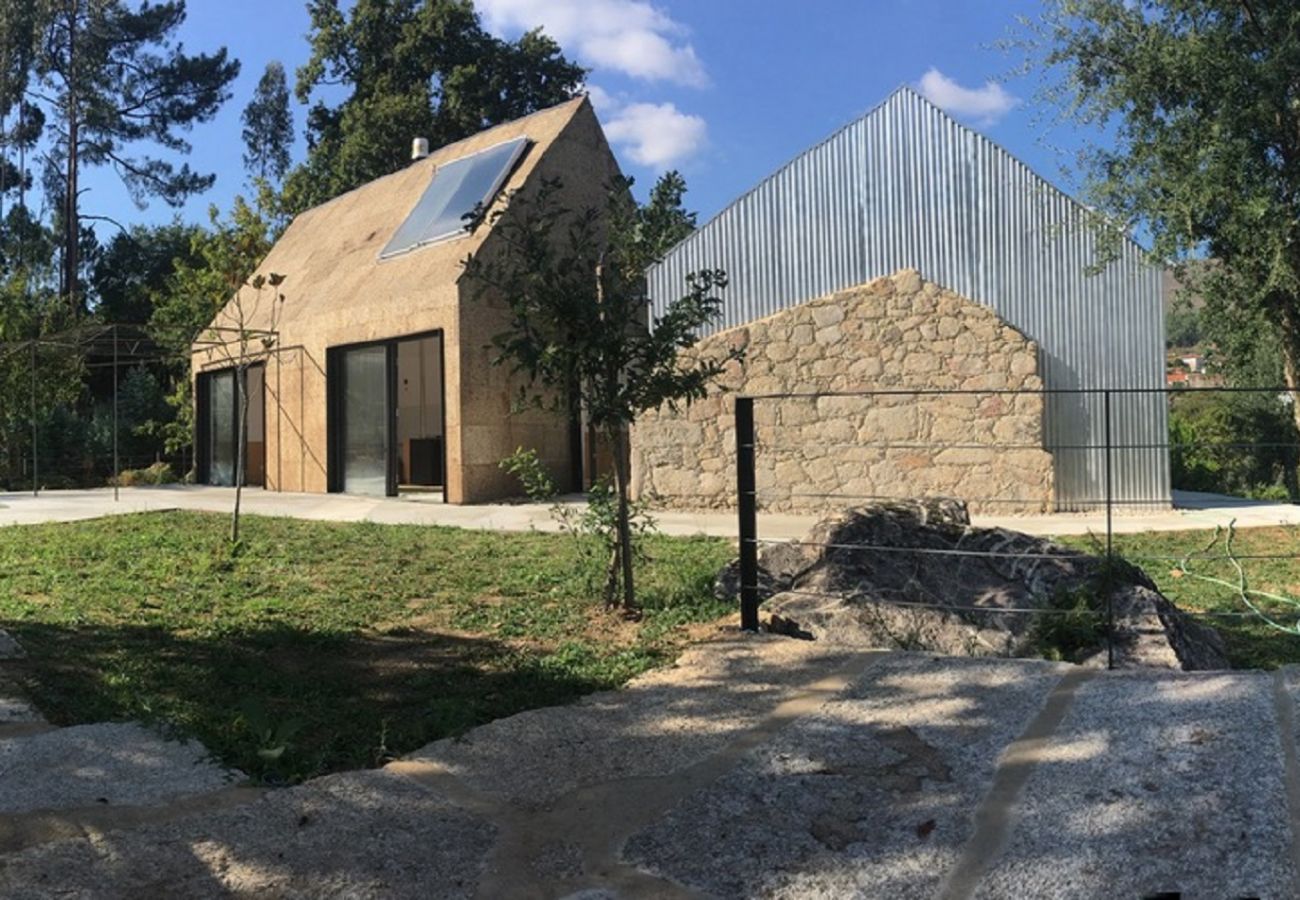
[[457, 189]]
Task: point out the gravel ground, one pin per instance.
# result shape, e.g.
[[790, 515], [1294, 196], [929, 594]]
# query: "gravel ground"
[[757, 767]]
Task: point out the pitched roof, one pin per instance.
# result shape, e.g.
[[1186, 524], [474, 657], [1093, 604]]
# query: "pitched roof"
[[329, 254]]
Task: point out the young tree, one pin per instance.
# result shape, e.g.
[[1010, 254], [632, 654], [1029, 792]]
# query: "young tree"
[[1198, 103], [243, 334], [109, 78], [580, 327], [413, 68], [268, 126], [221, 260]]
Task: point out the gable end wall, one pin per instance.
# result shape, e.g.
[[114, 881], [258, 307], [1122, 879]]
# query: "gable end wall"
[[823, 453]]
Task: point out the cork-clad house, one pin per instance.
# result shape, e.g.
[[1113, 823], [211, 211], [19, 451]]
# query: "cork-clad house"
[[374, 374]]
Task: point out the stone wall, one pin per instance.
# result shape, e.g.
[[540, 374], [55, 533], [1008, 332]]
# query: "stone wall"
[[826, 452]]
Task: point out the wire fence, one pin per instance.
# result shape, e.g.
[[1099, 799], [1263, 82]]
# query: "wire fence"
[[1231, 451], [84, 408]]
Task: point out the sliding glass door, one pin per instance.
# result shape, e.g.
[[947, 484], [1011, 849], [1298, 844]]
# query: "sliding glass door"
[[386, 416], [218, 427], [365, 413]]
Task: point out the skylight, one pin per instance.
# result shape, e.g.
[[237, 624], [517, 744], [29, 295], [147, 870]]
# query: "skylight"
[[457, 189]]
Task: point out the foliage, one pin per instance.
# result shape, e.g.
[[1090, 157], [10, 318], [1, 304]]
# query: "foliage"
[[1182, 326], [108, 79], [221, 259], [375, 639], [411, 68], [154, 474], [243, 334], [46, 383], [580, 326], [1073, 625], [596, 529], [1197, 102], [1239, 443], [134, 268], [593, 525], [268, 126], [537, 483], [1270, 558]]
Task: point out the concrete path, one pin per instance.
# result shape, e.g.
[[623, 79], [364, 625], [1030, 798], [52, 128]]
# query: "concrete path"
[[763, 767], [1193, 511]]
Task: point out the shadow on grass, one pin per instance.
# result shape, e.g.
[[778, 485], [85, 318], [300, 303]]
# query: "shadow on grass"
[[283, 704]]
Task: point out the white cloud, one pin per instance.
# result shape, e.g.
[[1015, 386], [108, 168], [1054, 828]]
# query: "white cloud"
[[628, 36], [656, 135], [600, 98], [986, 105]]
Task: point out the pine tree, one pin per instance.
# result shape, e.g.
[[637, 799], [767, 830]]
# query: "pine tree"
[[109, 78], [268, 126]]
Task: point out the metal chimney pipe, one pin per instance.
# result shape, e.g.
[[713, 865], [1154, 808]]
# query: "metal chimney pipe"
[[419, 148]]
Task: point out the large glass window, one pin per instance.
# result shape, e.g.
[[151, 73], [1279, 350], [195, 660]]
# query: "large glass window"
[[458, 188], [365, 420], [219, 406], [221, 432]]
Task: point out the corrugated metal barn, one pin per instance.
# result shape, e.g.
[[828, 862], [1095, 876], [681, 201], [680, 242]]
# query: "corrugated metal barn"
[[906, 186]]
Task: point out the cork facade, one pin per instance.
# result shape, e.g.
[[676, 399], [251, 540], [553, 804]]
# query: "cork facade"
[[894, 333], [364, 344]]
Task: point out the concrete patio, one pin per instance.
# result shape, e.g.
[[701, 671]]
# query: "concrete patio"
[[1191, 511]]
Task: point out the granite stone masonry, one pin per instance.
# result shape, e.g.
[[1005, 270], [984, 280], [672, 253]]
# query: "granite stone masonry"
[[900, 333]]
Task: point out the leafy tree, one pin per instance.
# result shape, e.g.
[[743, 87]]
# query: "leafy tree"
[[109, 78], [1198, 101], [135, 266], [1182, 326], [412, 68], [580, 327], [1237, 443], [268, 126], [21, 124], [222, 258], [39, 381]]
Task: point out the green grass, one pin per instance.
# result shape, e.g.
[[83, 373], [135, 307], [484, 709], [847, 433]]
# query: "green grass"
[[1251, 642], [323, 646]]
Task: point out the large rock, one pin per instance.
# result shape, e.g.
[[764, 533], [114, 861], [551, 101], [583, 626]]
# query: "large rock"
[[918, 576]]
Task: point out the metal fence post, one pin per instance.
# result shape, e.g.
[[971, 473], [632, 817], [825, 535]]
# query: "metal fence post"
[[117, 467], [1108, 584], [747, 504], [36, 480]]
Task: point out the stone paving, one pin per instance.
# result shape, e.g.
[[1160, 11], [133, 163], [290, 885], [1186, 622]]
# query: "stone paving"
[[757, 767]]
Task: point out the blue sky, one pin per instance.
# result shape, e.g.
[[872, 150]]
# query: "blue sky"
[[724, 90]]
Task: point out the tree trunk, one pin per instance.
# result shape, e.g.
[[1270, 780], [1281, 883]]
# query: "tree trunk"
[[241, 396], [71, 219], [624, 515], [1291, 358]]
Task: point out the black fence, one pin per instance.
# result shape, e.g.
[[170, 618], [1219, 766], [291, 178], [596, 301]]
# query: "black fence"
[[1231, 452]]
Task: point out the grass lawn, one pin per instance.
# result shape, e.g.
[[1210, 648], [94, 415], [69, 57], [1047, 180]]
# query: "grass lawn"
[[324, 646], [1251, 642]]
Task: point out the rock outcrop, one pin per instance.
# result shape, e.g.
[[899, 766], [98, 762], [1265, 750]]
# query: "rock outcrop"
[[917, 575]]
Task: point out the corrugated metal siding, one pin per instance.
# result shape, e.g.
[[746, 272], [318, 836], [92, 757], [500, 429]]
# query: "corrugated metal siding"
[[907, 186]]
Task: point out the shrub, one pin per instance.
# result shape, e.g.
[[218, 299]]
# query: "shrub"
[[158, 473], [594, 528], [526, 466], [1233, 443]]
